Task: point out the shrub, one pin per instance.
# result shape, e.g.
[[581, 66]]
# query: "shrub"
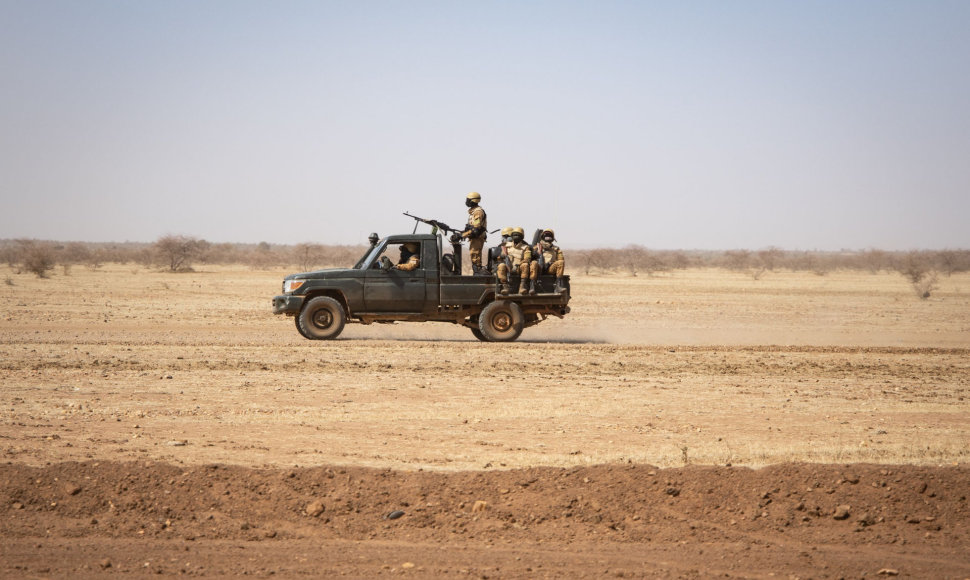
[[918, 269], [39, 259], [179, 251]]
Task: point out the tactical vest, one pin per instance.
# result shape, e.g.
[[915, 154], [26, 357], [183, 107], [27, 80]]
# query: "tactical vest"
[[517, 253], [484, 224], [550, 254]]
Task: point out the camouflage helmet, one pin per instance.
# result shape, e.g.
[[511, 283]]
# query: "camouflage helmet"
[[519, 231], [506, 232], [550, 232], [411, 247], [474, 196]]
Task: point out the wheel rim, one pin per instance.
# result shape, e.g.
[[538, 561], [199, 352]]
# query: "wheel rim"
[[322, 318], [502, 322]]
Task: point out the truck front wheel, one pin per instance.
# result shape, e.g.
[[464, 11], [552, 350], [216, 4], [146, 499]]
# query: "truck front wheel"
[[322, 318], [501, 321]]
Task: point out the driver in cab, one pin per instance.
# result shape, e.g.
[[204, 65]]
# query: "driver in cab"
[[409, 257]]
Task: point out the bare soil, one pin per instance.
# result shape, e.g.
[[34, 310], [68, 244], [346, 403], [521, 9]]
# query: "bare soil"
[[696, 424]]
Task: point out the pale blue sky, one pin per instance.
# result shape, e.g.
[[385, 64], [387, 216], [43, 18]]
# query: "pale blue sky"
[[718, 125]]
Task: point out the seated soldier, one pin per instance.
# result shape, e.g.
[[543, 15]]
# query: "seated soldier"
[[409, 257], [551, 258], [520, 259]]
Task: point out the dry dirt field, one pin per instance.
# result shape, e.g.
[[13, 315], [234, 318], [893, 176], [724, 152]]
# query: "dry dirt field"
[[695, 424]]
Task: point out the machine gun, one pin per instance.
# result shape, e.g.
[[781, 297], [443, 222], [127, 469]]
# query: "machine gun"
[[435, 225], [450, 263]]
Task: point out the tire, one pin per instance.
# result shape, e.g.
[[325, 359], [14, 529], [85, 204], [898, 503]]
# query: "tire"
[[478, 334], [322, 318], [299, 328], [501, 321]]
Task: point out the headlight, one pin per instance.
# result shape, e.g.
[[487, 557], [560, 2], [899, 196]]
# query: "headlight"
[[291, 285]]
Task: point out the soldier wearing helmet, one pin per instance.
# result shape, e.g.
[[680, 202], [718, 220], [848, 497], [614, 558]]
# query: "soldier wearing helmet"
[[409, 257], [476, 229], [551, 258], [519, 260]]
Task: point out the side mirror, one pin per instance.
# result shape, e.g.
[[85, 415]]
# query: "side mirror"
[[385, 263]]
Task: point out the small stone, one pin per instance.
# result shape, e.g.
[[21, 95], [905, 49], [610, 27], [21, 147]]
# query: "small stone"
[[71, 489], [315, 508], [394, 515], [888, 572], [407, 565], [17, 505], [479, 506], [177, 443], [105, 564], [841, 512]]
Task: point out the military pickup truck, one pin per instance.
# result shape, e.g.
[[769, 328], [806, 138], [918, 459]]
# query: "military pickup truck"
[[322, 302]]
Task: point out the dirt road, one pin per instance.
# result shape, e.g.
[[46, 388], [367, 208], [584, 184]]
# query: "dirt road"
[[168, 423]]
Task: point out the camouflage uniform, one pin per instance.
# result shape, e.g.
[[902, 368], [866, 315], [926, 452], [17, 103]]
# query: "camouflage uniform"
[[476, 231], [553, 261], [409, 258], [520, 256]]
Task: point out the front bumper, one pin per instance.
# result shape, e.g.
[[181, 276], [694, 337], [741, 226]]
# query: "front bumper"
[[287, 304]]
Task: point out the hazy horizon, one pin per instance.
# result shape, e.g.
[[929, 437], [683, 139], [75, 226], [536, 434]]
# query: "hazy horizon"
[[693, 125]]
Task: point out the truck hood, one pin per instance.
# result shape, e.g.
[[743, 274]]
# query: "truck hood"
[[327, 274]]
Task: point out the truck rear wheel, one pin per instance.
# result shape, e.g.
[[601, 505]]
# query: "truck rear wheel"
[[322, 318], [501, 321]]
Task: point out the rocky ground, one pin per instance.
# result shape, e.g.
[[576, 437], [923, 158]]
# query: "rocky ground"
[[807, 521]]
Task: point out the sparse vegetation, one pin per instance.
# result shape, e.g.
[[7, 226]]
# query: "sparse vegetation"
[[38, 258], [917, 268], [179, 253]]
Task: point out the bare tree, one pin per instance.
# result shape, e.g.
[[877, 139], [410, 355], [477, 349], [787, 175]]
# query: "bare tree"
[[39, 258], [918, 269], [771, 257], [308, 255], [179, 251], [737, 260], [632, 257]]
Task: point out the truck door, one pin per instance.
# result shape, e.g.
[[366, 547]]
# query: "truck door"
[[395, 290]]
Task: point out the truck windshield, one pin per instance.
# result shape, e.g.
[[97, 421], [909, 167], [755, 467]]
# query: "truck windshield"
[[363, 259]]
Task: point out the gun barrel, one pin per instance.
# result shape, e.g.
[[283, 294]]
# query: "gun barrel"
[[433, 223]]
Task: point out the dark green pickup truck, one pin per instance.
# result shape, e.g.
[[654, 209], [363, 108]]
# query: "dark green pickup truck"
[[322, 302]]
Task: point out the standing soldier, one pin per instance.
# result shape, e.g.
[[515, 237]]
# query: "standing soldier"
[[520, 257], [551, 258], [476, 230]]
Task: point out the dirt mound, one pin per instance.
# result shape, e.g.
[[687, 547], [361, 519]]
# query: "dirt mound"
[[810, 520]]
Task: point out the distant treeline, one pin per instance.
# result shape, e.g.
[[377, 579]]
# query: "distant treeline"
[[183, 253]]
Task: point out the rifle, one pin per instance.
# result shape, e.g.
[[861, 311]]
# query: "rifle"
[[536, 238], [435, 225]]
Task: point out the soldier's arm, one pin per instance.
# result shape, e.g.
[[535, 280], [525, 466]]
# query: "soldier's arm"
[[412, 264]]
